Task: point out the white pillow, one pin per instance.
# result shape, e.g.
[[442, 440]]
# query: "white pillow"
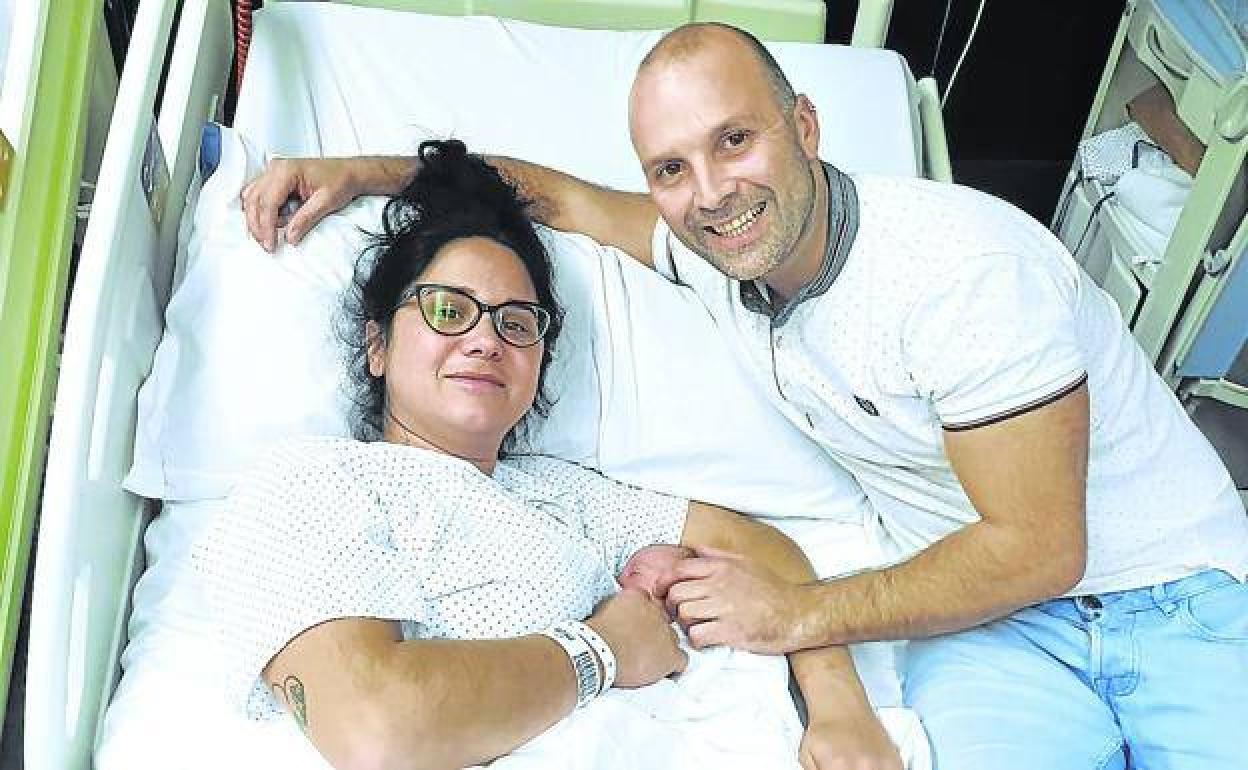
[[644, 388], [248, 354]]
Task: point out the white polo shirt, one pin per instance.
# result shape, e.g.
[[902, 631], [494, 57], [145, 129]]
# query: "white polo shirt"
[[954, 310]]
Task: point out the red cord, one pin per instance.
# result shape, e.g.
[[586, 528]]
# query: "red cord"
[[242, 39]]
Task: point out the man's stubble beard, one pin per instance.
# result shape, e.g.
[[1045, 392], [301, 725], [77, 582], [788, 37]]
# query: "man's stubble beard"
[[788, 224]]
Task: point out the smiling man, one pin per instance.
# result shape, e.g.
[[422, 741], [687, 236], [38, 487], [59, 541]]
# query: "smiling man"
[[757, 219], [1070, 551]]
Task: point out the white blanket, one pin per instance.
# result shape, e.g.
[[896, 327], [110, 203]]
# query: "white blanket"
[[728, 710]]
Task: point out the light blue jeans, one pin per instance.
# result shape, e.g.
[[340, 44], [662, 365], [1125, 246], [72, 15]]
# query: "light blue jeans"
[[1146, 679]]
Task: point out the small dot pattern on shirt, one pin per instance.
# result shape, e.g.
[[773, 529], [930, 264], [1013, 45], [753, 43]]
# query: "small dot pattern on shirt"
[[954, 310], [330, 528]]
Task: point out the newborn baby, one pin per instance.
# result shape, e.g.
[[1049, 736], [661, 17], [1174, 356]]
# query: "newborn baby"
[[650, 568]]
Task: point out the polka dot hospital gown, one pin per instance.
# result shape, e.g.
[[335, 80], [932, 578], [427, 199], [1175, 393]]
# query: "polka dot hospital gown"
[[331, 528]]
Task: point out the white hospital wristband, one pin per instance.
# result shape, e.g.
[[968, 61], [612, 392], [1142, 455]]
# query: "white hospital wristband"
[[605, 655], [585, 666]]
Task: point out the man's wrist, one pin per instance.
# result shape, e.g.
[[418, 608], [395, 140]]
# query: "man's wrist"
[[808, 620], [834, 705]]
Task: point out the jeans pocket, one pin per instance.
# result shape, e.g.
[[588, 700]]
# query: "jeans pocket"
[[1220, 614]]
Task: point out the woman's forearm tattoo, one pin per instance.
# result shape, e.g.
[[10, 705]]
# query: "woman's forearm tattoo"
[[296, 700]]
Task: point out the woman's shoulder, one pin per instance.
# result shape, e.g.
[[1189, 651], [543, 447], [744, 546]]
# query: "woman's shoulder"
[[326, 484], [296, 453], [556, 476], [319, 450], [331, 460], [295, 467], [313, 465], [543, 466]]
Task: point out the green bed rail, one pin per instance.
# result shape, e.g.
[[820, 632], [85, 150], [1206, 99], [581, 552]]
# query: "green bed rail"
[[789, 20], [36, 228]]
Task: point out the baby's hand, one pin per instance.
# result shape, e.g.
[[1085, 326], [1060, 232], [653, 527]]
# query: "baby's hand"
[[651, 569]]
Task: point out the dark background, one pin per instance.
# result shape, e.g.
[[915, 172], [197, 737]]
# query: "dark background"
[[1021, 98]]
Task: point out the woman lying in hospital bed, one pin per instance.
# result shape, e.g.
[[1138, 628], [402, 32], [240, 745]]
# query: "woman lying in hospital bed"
[[416, 595]]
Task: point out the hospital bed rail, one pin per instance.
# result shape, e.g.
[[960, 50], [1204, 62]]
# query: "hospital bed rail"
[[90, 529], [40, 167]]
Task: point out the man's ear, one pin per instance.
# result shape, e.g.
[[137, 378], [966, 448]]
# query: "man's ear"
[[375, 338], [807, 123]]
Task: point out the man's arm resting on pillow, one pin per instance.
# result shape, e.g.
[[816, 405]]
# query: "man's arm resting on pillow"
[[1026, 477], [325, 185], [842, 726], [367, 699]]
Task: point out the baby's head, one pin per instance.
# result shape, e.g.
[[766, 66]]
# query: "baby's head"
[[649, 569]]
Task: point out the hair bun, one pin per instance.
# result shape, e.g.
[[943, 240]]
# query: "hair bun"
[[453, 185], [436, 154]]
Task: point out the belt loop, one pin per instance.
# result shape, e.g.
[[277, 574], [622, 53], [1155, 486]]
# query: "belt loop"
[[1161, 597], [1090, 607]]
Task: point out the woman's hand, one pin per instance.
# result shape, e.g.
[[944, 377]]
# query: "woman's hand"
[[636, 628], [848, 742], [321, 186]]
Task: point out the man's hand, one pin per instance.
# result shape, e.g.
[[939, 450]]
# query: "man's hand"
[[844, 742], [636, 628], [723, 598], [321, 186]]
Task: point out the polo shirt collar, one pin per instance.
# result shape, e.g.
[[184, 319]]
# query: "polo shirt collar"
[[843, 218]]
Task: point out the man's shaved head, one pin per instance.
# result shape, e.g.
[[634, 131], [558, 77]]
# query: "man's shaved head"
[[685, 41], [730, 153]]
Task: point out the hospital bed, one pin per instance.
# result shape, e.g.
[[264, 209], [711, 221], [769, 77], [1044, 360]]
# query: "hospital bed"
[[1182, 292], [1172, 255], [311, 85]]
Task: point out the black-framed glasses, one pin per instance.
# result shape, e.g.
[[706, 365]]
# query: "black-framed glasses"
[[452, 312]]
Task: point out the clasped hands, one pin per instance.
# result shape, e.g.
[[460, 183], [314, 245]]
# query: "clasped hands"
[[722, 598]]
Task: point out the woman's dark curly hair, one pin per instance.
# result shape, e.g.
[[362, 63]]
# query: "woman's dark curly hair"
[[454, 195]]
